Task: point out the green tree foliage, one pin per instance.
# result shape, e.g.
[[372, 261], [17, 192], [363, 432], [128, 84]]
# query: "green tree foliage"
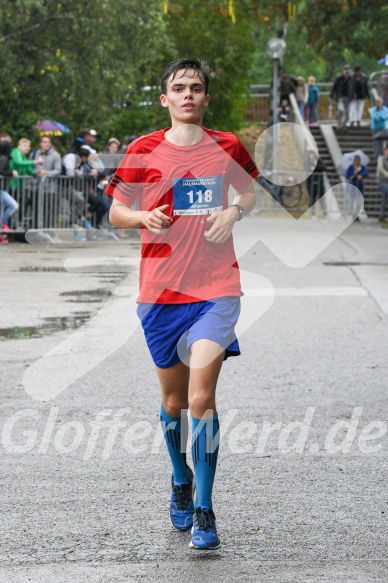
[[87, 64], [342, 31], [80, 63], [225, 39], [321, 37], [358, 25]]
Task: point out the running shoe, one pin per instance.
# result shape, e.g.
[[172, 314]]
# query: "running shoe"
[[204, 532], [182, 505]]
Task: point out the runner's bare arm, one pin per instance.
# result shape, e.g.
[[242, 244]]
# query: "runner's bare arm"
[[123, 216], [223, 221]]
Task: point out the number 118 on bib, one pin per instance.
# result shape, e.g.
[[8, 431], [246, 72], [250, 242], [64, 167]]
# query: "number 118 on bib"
[[206, 196]]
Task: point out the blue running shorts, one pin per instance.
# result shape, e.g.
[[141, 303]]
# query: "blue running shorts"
[[168, 327]]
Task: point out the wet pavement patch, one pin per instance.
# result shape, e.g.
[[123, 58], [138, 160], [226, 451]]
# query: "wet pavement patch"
[[48, 326], [341, 263], [34, 269], [351, 263], [93, 295]]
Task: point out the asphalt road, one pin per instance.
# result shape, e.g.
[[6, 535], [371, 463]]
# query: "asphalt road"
[[300, 492]]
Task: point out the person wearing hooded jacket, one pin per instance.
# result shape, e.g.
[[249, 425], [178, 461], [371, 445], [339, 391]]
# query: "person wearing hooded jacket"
[[71, 160]]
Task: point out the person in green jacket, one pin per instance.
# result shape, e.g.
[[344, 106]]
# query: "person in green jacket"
[[21, 163]]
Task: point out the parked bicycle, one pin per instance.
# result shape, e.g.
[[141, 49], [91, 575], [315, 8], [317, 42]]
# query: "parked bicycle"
[[288, 194]]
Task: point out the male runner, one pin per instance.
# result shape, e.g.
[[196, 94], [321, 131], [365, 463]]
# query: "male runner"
[[190, 290]]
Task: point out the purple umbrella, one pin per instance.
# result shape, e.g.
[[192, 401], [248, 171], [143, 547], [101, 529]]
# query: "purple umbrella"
[[48, 126]]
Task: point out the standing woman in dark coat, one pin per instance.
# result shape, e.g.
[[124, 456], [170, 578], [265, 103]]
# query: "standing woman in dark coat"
[[358, 92]]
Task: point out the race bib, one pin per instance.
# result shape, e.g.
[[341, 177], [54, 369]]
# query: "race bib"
[[198, 196]]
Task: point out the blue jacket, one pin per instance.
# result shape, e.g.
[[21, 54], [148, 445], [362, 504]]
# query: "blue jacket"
[[313, 97], [351, 175], [379, 118]]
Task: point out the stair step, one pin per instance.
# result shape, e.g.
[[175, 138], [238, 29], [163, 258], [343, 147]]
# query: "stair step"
[[354, 138]]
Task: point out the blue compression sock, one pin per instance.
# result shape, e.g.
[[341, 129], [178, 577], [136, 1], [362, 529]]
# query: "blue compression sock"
[[204, 450], [175, 430]]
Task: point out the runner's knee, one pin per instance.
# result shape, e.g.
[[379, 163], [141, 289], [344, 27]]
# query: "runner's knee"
[[201, 401], [174, 405]]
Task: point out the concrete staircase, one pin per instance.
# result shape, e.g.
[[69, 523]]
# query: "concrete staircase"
[[324, 154], [360, 138], [353, 138]]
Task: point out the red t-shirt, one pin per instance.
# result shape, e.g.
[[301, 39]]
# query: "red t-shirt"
[[180, 265]]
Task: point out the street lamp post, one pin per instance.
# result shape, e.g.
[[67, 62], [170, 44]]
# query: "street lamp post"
[[275, 49]]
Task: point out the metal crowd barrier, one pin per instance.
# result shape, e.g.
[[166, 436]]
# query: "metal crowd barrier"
[[63, 202], [60, 202]]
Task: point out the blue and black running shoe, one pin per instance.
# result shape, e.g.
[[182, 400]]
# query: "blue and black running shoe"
[[182, 505], [204, 532]]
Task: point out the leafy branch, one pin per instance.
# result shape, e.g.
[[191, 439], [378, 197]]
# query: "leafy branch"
[[36, 26]]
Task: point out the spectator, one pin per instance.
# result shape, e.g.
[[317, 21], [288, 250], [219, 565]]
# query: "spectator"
[[8, 205], [312, 100], [47, 171], [125, 143], [301, 94], [51, 165], [91, 138], [358, 92], [383, 87], [340, 94], [71, 168], [111, 157], [315, 184], [21, 163], [382, 180], [379, 117], [4, 137], [287, 86], [71, 160], [5, 157], [284, 111], [79, 141], [113, 145], [355, 175], [91, 166]]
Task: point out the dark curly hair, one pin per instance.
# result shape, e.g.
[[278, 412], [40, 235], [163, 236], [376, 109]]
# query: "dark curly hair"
[[200, 67]]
